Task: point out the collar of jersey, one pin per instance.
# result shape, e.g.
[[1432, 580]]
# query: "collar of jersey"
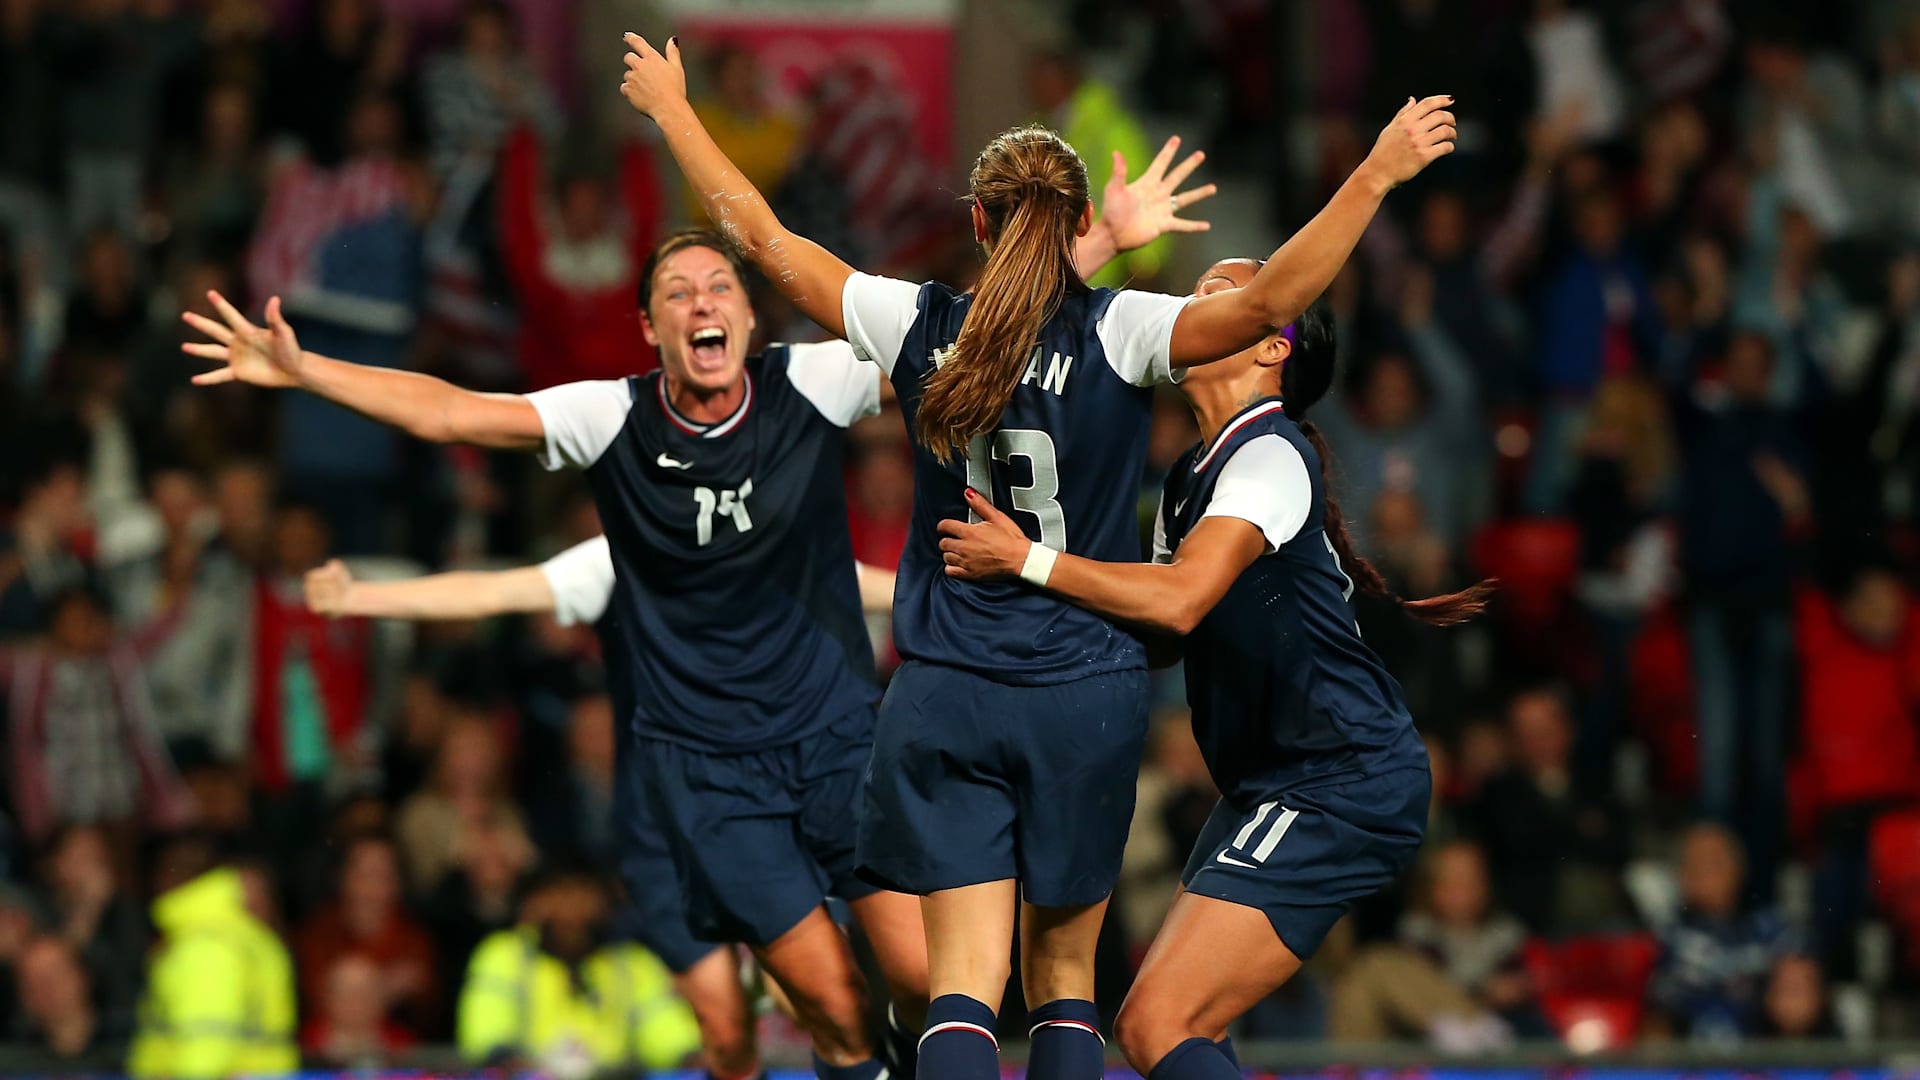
[[1250, 413], [705, 431]]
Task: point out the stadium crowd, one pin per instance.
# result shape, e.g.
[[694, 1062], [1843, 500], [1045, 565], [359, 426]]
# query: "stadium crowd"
[[1647, 350]]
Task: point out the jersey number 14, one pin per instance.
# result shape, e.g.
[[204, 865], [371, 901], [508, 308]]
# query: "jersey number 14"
[[727, 503], [1037, 498]]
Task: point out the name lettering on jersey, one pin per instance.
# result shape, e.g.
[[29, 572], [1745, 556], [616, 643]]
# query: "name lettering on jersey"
[[724, 503], [1053, 378]]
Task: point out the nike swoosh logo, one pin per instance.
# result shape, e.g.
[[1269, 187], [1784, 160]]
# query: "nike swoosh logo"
[[666, 462], [1231, 861], [1178, 507]]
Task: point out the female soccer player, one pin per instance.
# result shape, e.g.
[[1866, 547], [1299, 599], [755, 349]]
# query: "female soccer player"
[[1324, 781], [720, 482], [1004, 759], [576, 586]]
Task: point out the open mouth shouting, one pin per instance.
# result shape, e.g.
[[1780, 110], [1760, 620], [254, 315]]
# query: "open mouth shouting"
[[707, 348]]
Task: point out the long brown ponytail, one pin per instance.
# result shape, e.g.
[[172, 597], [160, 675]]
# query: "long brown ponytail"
[[1304, 379], [1032, 187]]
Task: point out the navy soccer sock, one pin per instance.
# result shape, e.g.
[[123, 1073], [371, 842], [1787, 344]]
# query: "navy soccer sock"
[[1195, 1059], [1067, 1044], [959, 1043], [903, 1047]]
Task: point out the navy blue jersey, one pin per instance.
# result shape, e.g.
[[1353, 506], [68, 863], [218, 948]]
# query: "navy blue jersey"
[[734, 588], [1285, 694], [1065, 463]]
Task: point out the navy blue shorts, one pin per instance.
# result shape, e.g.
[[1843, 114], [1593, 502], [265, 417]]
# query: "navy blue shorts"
[[973, 780], [1303, 858], [760, 839], [654, 910]]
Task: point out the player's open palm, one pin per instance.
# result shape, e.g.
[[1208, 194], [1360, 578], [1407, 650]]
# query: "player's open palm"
[[258, 355], [327, 587], [1421, 133], [654, 80], [992, 547], [1140, 212]]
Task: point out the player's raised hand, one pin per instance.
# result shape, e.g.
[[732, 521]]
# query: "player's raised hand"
[[654, 80], [1138, 213], [992, 547], [1421, 133], [327, 588], [259, 355]]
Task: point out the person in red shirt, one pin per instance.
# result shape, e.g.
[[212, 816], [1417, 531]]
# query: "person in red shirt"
[[575, 264], [365, 918], [1860, 734]]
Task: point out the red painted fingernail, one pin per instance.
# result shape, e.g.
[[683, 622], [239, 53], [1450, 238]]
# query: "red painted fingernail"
[[971, 493]]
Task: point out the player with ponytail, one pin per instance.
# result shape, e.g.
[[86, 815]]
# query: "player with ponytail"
[[1007, 748], [1324, 781]]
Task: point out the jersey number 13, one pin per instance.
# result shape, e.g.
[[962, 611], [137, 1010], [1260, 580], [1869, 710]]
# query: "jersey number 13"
[[1037, 498]]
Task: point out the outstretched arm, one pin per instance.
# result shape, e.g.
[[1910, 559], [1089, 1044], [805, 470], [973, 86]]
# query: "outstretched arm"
[[332, 590], [808, 275], [1172, 597], [1226, 322], [1135, 214], [421, 405]]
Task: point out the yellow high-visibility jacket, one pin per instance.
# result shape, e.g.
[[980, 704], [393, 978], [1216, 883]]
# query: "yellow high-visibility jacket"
[[1096, 123], [521, 1002], [220, 998]]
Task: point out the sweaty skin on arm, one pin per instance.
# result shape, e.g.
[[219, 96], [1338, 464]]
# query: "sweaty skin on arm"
[[1172, 597], [810, 276], [420, 405]]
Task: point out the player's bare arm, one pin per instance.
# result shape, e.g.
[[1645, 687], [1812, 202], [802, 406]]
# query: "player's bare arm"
[[1217, 326], [421, 405], [332, 590], [1172, 597]]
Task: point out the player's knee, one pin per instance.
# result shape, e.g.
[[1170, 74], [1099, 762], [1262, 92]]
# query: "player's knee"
[[730, 1048], [1147, 1028]]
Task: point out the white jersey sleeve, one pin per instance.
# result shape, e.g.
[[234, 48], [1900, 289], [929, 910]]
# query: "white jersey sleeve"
[[832, 376], [1162, 553], [581, 420], [1136, 333], [1265, 483], [879, 311], [581, 578]]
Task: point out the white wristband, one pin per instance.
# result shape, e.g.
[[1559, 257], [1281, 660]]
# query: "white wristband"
[[1039, 564]]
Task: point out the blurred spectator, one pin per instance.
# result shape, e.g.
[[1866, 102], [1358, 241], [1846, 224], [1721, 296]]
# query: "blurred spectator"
[[341, 247], [1571, 64], [84, 746], [243, 505], [220, 997], [1784, 292], [1455, 968], [466, 789], [477, 896], [551, 994], [1860, 744], [1597, 319], [349, 1028], [880, 504], [1803, 120], [1415, 561], [575, 262], [350, 49], [94, 912], [1715, 959], [476, 93], [216, 187], [1089, 114], [197, 673], [113, 57], [1409, 411], [1743, 506], [58, 1016], [365, 919], [1555, 841], [310, 679], [1796, 1003], [42, 555], [109, 307], [763, 143]]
